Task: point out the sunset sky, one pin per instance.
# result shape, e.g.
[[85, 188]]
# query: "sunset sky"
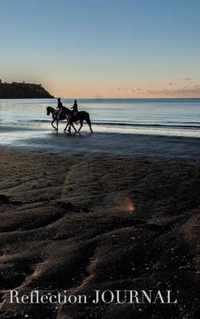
[[103, 48]]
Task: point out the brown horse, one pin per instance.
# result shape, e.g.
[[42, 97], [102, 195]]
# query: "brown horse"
[[68, 115]]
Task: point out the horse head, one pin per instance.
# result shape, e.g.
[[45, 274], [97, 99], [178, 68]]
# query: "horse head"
[[49, 110]]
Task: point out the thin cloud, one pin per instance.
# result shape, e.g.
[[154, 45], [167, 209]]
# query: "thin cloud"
[[171, 90], [186, 91]]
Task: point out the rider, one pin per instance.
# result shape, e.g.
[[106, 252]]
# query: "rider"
[[75, 108], [59, 107]]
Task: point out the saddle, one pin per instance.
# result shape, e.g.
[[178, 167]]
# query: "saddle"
[[60, 115]]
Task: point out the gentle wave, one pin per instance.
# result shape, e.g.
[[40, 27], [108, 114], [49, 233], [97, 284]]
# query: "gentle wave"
[[191, 125], [147, 125]]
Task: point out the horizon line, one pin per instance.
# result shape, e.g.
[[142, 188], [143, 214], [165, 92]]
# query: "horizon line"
[[126, 98]]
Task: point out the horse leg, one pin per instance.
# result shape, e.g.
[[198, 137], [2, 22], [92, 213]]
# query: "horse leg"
[[66, 126], [90, 125], [75, 130], [53, 125], [69, 123], [81, 125], [69, 130]]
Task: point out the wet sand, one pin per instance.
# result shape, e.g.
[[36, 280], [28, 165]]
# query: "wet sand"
[[103, 143], [98, 221]]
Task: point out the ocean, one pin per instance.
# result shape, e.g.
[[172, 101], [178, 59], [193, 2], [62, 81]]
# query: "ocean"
[[23, 119]]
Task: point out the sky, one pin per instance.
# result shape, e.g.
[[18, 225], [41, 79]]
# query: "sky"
[[103, 48]]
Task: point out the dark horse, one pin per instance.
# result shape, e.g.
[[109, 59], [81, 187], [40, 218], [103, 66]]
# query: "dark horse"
[[68, 115]]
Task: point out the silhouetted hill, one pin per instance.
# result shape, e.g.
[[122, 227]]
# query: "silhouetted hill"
[[20, 90]]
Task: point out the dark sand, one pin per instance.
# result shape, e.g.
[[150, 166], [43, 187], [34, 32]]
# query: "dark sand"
[[99, 222], [104, 143]]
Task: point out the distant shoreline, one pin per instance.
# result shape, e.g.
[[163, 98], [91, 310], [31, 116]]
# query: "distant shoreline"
[[26, 98], [21, 90], [163, 99]]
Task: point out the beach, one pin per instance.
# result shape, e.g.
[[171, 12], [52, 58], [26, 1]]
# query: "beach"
[[102, 225], [85, 219]]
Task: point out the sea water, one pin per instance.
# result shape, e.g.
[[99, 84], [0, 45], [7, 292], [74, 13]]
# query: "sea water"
[[24, 118]]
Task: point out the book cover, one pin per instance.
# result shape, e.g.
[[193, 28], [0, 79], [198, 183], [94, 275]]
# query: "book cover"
[[99, 159]]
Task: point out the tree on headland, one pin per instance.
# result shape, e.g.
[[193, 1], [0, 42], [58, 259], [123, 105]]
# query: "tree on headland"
[[20, 90]]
